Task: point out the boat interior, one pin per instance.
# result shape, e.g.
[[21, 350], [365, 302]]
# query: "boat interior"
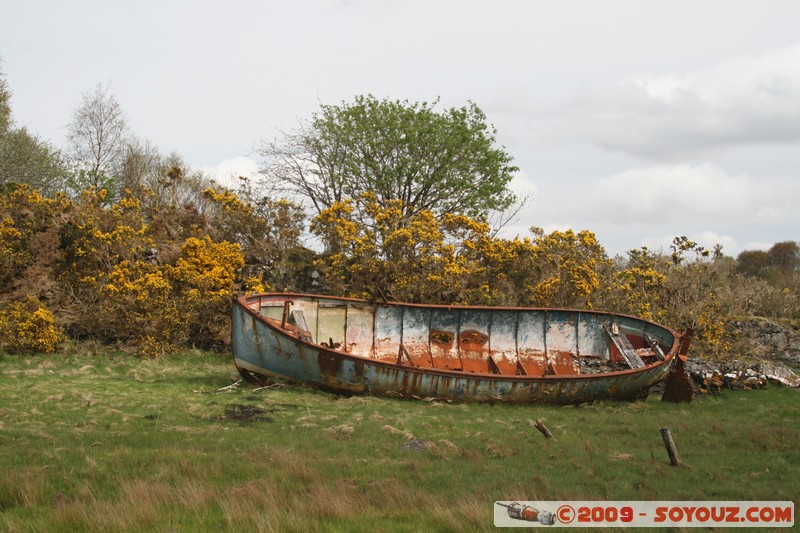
[[491, 340]]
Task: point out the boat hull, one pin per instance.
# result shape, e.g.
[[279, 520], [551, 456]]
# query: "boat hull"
[[265, 347]]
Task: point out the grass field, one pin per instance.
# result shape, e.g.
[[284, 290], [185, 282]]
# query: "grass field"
[[110, 443]]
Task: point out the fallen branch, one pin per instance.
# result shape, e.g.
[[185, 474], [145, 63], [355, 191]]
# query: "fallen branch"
[[274, 385], [230, 387]]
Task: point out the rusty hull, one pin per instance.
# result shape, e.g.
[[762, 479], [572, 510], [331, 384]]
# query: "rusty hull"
[[521, 355]]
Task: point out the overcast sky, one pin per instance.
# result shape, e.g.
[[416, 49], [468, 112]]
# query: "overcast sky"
[[638, 120]]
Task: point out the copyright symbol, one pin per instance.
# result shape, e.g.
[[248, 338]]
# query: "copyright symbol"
[[565, 514]]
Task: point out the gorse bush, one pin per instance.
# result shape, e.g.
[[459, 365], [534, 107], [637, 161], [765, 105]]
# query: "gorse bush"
[[27, 327], [114, 271], [149, 274], [138, 307]]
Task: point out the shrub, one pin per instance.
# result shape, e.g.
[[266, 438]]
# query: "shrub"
[[203, 281], [28, 327], [138, 309]]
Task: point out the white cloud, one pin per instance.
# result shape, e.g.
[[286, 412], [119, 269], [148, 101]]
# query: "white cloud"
[[227, 172], [665, 194], [752, 99]]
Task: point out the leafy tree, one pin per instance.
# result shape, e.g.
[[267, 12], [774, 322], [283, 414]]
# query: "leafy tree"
[[25, 159], [5, 107], [778, 265], [785, 256], [443, 162], [754, 263]]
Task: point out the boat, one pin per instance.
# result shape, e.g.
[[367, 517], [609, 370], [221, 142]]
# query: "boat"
[[448, 352]]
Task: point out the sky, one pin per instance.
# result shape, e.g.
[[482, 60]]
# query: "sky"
[[639, 121]]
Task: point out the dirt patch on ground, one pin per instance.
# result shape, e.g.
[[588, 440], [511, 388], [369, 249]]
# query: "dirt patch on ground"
[[245, 414]]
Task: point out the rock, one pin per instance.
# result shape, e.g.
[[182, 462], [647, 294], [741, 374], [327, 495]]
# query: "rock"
[[781, 374], [711, 378], [416, 444], [765, 339]]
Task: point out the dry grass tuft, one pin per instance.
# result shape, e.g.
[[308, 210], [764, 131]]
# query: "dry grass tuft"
[[341, 501], [344, 430], [447, 445], [618, 456], [253, 506], [139, 507], [307, 419], [23, 488], [501, 452], [196, 495], [407, 434], [146, 493], [394, 431], [457, 515]]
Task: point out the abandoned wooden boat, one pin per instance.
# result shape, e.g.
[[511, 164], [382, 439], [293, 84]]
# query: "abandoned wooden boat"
[[450, 352]]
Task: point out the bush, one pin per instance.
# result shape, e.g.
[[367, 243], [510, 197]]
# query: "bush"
[[28, 327]]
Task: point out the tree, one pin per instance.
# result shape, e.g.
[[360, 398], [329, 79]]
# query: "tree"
[[777, 265], [785, 256], [754, 263], [24, 158], [97, 138], [5, 107], [444, 162], [139, 167]]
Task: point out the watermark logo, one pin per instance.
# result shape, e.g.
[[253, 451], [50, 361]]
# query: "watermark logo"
[[769, 514], [517, 511]]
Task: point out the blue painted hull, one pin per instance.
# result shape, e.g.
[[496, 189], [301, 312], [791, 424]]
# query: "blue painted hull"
[[267, 347]]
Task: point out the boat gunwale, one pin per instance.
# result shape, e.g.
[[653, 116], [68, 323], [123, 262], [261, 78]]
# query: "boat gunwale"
[[669, 356]]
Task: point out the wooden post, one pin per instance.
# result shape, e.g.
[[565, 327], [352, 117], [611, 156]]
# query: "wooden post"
[[541, 427], [670, 445]]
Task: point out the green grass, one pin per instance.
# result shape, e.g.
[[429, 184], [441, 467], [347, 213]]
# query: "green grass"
[[112, 443]]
